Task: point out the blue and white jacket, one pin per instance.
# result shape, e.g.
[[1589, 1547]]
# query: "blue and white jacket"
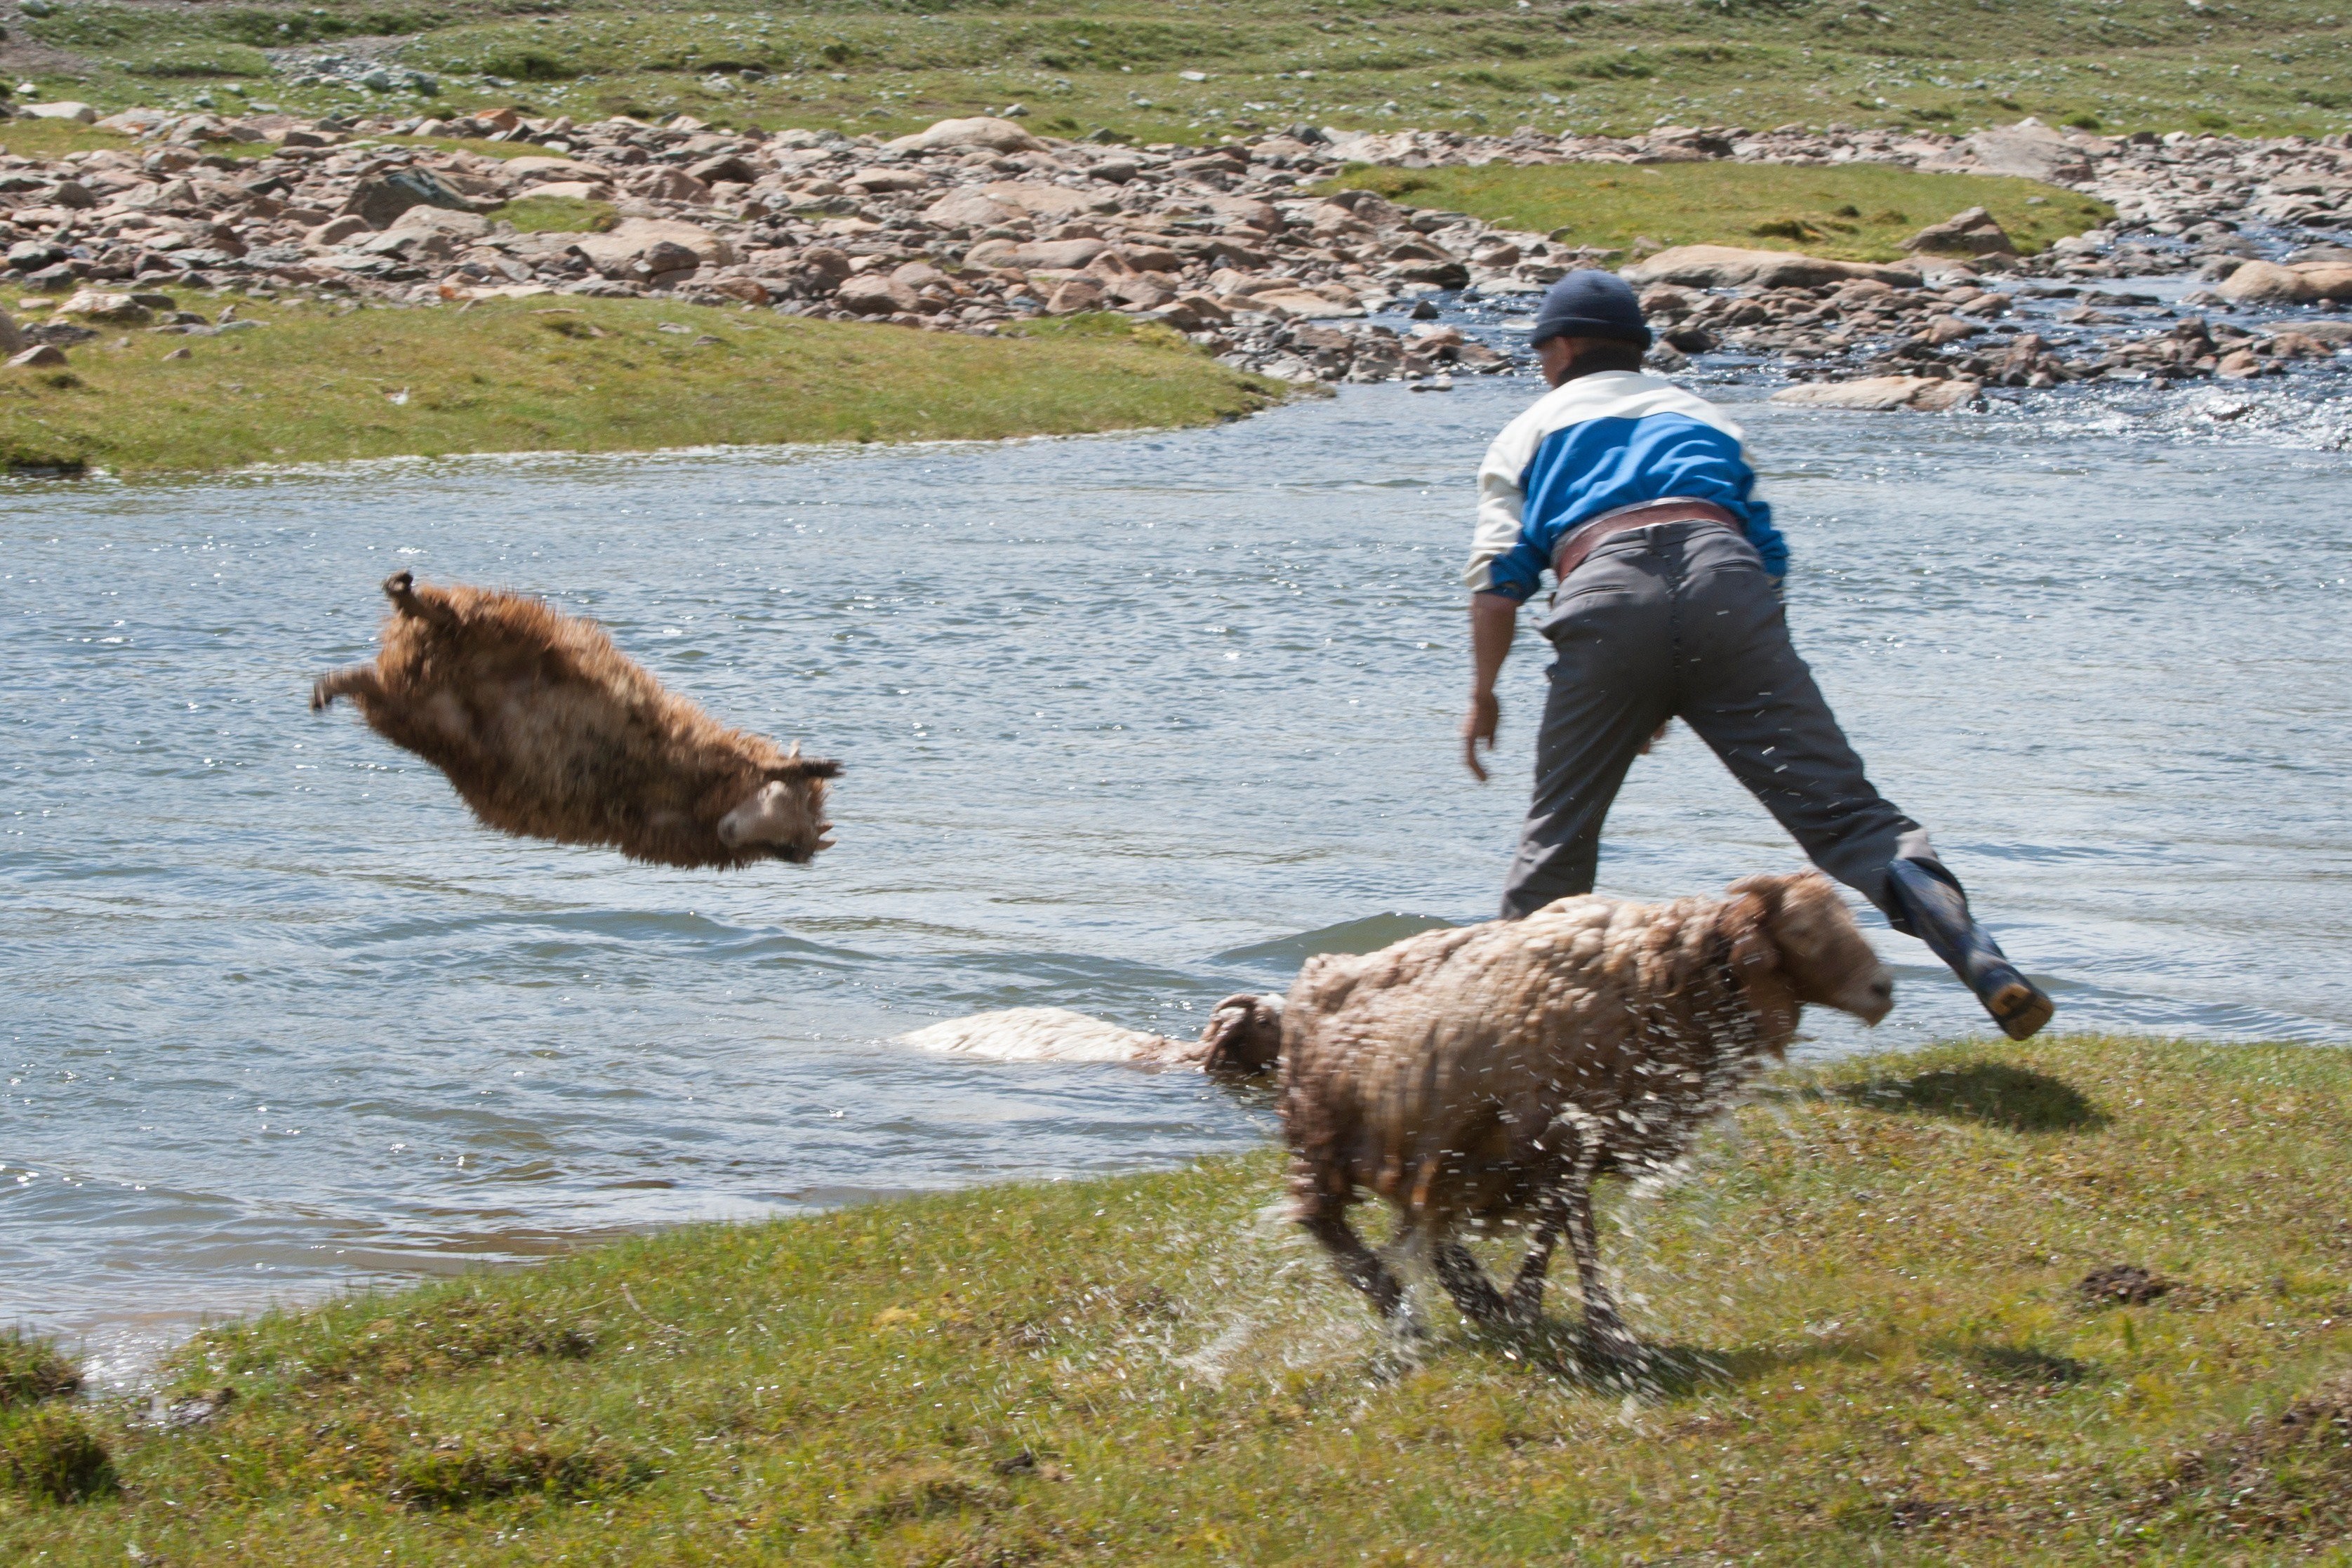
[[1611, 439]]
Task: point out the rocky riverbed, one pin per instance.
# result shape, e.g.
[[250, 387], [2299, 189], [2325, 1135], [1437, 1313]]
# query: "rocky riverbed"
[[2225, 258]]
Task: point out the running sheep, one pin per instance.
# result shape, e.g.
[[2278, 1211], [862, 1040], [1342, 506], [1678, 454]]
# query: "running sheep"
[[1489, 1073], [548, 730]]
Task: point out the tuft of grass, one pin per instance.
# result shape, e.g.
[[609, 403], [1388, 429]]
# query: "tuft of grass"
[[55, 138], [459, 1473], [1761, 206], [1863, 1342], [558, 214], [32, 1370], [50, 1455], [327, 382], [444, 1339]]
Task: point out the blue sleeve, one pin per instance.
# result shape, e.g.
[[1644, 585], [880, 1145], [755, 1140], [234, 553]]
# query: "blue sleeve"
[[1756, 516], [1518, 573]]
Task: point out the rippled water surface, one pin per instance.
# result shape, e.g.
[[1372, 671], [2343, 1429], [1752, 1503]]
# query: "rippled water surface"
[[1126, 719]]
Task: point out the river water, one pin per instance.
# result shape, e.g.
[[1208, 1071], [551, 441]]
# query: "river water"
[[1131, 722]]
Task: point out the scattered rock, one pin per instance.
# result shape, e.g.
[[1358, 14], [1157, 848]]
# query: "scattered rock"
[[63, 109], [38, 354], [979, 222]]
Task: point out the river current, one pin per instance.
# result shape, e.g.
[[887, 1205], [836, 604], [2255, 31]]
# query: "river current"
[[1131, 722]]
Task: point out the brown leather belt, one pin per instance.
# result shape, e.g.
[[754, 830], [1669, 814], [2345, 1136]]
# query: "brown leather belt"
[[1580, 541]]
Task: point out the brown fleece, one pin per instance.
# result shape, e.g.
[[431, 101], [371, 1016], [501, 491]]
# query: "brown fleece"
[[548, 730]]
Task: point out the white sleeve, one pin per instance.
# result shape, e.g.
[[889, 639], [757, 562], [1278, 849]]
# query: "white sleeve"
[[1501, 510]]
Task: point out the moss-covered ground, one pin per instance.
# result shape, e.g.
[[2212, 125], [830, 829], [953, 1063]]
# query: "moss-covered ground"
[[1859, 211], [1120, 65], [324, 381], [1867, 1341]]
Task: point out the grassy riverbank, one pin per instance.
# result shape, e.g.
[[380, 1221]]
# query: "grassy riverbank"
[[1079, 65], [1869, 1345], [1855, 212], [324, 381]]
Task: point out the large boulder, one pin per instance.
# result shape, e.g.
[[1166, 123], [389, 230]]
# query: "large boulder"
[[1880, 393], [63, 109], [387, 196], [969, 208], [979, 131], [1038, 199], [115, 310], [1074, 295], [1297, 305], [1975, 232], [535, 170], [2029, 150], [872, 295], [629, 249], [2268, 283], [441, 220], [1727, 266], [1040, 256], [671, 185]]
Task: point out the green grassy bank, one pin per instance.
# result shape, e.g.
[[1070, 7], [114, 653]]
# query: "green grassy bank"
[[1868, 1344], [1857, 212], [325, 381], [1078, 65]]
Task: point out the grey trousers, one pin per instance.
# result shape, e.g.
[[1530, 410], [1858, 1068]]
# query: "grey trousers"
[[1679, 621]]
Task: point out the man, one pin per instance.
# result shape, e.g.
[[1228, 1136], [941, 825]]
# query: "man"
[[1638, 498]]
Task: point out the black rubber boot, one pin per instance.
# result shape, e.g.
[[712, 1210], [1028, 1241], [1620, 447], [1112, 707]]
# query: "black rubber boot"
[[1936, 913]]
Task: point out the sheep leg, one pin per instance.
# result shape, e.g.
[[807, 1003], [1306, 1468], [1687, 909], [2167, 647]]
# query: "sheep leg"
[[360, 681], [401, 589], [1599, 1310], [1358, 1263], [1468, 1283], [1525, 1303]]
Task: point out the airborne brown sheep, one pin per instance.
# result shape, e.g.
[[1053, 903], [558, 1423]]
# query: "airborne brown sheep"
[[550, 731], [1243, 1037], [1491, 1071]]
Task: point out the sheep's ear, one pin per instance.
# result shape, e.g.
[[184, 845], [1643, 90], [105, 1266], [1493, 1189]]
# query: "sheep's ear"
[[1748, 921], [1767, 886], [1243, 1034]]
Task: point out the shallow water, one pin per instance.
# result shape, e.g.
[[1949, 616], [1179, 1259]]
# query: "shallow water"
[[1124, 718]]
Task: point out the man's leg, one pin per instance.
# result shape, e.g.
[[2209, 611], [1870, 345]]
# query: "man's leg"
[[1611, 688], [1745, 692]]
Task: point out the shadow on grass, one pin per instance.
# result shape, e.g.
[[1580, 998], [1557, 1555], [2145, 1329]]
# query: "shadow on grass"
[[2029, 1364], [1652, 1370], [1992, 1093]]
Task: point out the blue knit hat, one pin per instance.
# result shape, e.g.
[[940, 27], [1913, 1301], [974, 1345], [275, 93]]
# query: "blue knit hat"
[[1591, 305]]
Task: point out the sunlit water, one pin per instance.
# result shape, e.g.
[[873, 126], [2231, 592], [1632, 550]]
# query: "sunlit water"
[[1125, 720]]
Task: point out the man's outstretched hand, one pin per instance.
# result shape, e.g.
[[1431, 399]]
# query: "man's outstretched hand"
[[1478, 731]]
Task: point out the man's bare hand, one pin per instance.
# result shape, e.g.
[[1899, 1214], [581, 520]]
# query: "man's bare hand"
[[1478, 730]]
